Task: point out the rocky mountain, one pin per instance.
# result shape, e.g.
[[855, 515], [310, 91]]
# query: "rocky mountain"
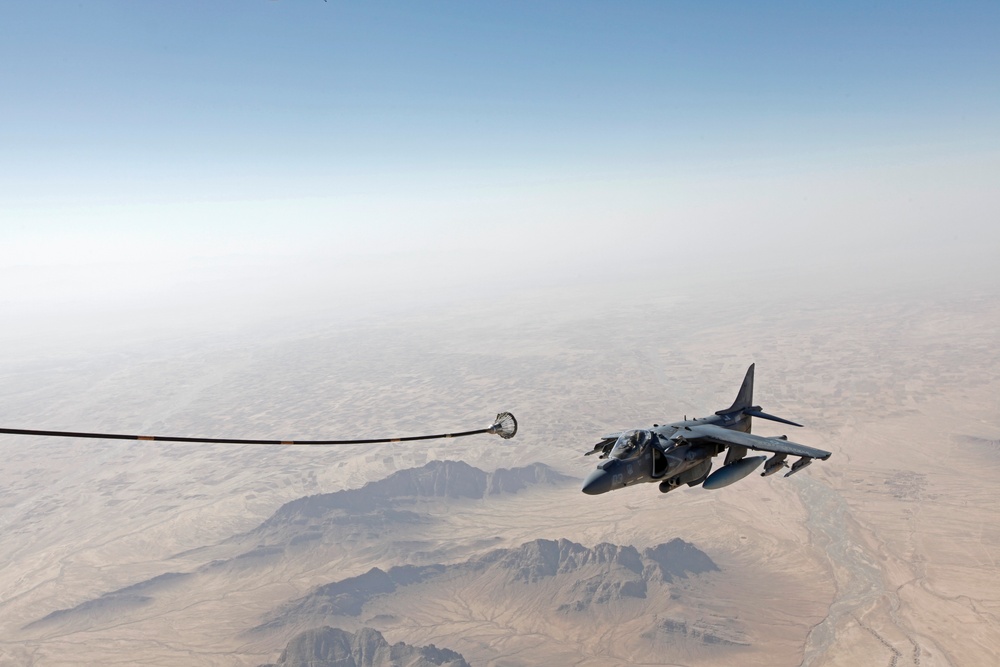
[[109, 605], [333, 647], [452, 480], [396, 507], [574, 577], [372, 520]]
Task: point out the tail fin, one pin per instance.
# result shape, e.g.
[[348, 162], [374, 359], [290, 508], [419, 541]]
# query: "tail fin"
[[744, 399], [744, 402]]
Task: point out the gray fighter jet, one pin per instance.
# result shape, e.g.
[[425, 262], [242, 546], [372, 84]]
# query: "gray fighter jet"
[[682, 452]]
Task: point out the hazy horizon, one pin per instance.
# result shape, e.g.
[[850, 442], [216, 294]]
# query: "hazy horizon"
[[240, 162]]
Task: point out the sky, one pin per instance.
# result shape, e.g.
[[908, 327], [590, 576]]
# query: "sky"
[[193, 158]]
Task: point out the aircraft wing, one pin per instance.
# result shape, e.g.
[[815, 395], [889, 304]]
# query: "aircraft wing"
[[723, 436]]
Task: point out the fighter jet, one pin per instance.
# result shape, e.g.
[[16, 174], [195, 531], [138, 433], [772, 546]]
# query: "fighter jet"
[[682, 452]]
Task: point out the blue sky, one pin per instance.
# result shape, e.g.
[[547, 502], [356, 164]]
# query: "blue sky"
[[348, 134], [581, 86]]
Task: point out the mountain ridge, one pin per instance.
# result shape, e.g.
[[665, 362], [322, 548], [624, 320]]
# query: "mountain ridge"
[[436, 479], [333, 647], [304, 521], [589, 576]]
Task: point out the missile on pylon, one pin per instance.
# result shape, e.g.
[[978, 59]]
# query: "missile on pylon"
[[774, 464], [799, 465]]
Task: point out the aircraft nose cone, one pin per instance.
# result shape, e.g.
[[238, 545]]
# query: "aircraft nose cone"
[[598, 481]]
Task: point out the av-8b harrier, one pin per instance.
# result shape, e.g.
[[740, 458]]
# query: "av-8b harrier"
[[682, 452]]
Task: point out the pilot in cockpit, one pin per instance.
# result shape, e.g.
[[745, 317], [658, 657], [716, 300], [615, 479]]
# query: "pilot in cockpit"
[[630, 444]]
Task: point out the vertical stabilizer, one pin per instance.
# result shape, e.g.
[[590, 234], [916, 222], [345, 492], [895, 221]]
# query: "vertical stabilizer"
[[744, 399]]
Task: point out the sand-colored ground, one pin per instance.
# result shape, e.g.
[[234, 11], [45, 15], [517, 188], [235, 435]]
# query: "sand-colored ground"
[[885, 554]]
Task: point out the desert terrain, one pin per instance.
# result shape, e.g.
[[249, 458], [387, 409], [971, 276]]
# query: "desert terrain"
[[120, 553]]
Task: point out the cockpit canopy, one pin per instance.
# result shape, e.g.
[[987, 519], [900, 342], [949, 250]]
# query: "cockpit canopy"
[[630, 443]]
